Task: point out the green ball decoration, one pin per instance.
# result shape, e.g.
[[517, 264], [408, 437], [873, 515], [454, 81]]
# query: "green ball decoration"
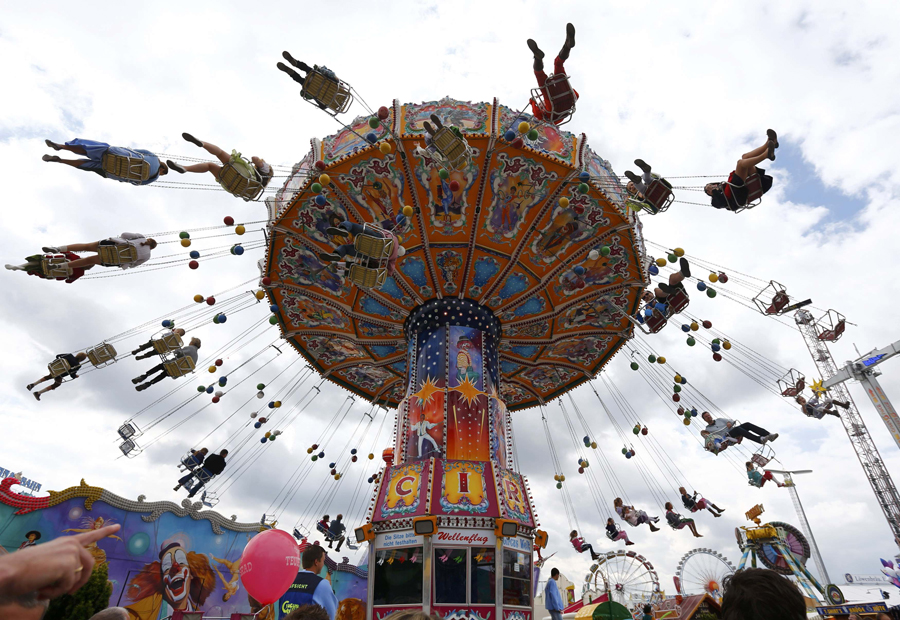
[[716, 341], [624, 450], [651, 358], [315, 457], [443, 174], [184, 235], [584, 188], [676, 388], [201, 388], [634, 366], [604, 251], [273, 320], [687, 414], [672, 258], [260, 386], [374, 123], [316, 188], [559, 485], [710, 292], [216, 319], [691, 342], [533, 135]]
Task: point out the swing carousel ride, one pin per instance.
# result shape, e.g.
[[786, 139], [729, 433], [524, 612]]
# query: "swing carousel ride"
[[456, 275]]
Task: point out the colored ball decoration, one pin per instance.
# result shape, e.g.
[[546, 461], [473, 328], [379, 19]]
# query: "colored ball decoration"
[[510, 135], [676, 397], [383, 112], [685, 328], [679, 252], [717, 357], [723, 277], [715, 347], [677, 379], [634, 366], [690, 341], [563, 202], [726, 345], [260, 394], [316, 188], [266, 281], [518, 143], [219, 362], [454, 186], [271, 404], [578, 269], [707, 324], [637, 429], [212, 369], [661, 360], [605, 250], [583, 188], [201, 388], [239, 229], [559, 485], [524, 127], [184, 235], [277, 404], [533, 135], [580, 469], [687, 421], [584, 176], [321, 201], [257, 425], [273, 308], [259, 294], [701, 286], [593, 445], [273, 320], [651, 358], [194, 254], [260, 386], [185, 243], [710, 292], [215, 399], [385, 148], [229, 221], [713, 277], [324, 179], [593, 255], [168, 323], [443, 174], [198, 298], [371, 456], [374, 123], [644, 431], [237, 249], [652, 269], [408, 211], [624, 450], [371, 138], [660, 262], [676, 388], [320, 165], [193, 264]]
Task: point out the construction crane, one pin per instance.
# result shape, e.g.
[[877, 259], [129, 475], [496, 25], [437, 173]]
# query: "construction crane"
[[864, 371], [869, 458], [804, 522]]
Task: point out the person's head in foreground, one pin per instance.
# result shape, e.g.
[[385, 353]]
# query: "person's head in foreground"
[[761, 594], [307, 612]]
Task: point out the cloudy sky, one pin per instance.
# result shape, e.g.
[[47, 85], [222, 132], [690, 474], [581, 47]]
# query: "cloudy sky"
[[688, 87]]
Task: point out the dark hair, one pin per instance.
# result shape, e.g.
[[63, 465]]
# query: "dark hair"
[[749, 463], [307, 612], [223, 453], [761, 594], [554, 572], [410, 614], [313, 554], [647, 609], [669, 506]]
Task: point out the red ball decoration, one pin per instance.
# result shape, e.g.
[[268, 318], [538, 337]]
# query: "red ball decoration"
[[333, 471], [215, 399], [210, 300], [723, 277], [229, 221], [681, 411], [267, 281], [454, 186], [581, 470], [193, 264], [382, 112], [580, 284], [717, 357], [518, 143], [353, 458], [676, 397], [320, 165], [644, 431], [707, 324], [219, 362]]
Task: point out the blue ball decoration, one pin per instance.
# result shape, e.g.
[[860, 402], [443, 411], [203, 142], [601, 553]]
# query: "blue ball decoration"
[[223, 379], [263, 440], [257, 425], [578, 269], [400, 219], [371, 138], [222, 318], [167, 323], [331, 465], [653, 270], [693, 413], [273, 308], [322, 454], [353, 451], [238, 250], [584, 176], [370, 480], [685, 328], [715, 347], [272, 405], [628, 454], [701, 286], [195, 254], [321, 200], [210, 390], [509, 136]]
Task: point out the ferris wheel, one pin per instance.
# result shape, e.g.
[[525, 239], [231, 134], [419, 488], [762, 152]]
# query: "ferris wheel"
[[702, 570], [628, 577]]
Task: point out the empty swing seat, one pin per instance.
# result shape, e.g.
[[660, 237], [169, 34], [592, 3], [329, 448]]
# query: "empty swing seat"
[[796, 389], [59, 367], [241, 180], [132, 169], [167, 343], [365, 277], [179, 367], [127, 447], [55, 267], [780, 300], [453, 151], [127, 430], [101, 355], [118, 254], [328, 91]]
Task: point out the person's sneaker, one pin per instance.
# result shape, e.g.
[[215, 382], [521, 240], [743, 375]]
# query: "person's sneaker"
[[570, 35], [841, 404], [772, 437], [192, 139], [632, 177], [176, 488], [137, 380], [716, 515], [771, 146], [176, 167], [29, 387], [50, 249], [773, 137], [629, 542], [653, 528], [329, 257], [287, 56], [437, 121], [667, 289], [640, 163], [37, 395], [51, 144], [533, 46], [333, 230], [143, 387], [685, 267]]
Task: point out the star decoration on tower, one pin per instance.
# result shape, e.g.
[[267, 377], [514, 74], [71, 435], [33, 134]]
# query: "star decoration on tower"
[[468, 390], [817, 388], [427, 390]]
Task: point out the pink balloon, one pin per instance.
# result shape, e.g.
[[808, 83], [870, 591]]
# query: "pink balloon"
[[269, 565]]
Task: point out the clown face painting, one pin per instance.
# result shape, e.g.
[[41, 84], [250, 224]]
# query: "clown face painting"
[[181, 579]]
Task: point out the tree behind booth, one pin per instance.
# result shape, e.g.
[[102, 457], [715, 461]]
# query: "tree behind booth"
[[91, 598]]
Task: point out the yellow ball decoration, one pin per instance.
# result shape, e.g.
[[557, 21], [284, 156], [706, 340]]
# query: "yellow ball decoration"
[[524, 127], [661, 262], [309, 450], [212, 369], [199, 298], [679, 252], [713, 277], [564, 202], [726, 345], [594, 445], [324, 179], [260, 294], [687, 421], [408, 211], [337, 476], [694, 326], [185, 243], [677, 378], [385, 147], [661, 360], [277, 404], [562, 477], [371, 456], [268, 433], [239, 229]]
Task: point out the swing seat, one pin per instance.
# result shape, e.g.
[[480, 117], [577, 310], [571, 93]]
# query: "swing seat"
[[328, 91], [353, 546], [792, 383], [656, 321], [189, 462], [55, 267], [59, 368], [759, 460], [832, 326], [209, 500], [128, 430], [364, 277], [167, 343], [659, 195], [102, 355], [241, 180], [450, 150], [179, 367], [556, 99], [795, 389], [119, 254], [678, 302], [780, 300], [128, 447], [379, 248], [753, 186], [132, 169]]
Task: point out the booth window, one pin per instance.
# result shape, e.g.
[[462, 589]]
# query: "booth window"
[[483, 577], [516, 578], [450, 568], [398, 576]]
